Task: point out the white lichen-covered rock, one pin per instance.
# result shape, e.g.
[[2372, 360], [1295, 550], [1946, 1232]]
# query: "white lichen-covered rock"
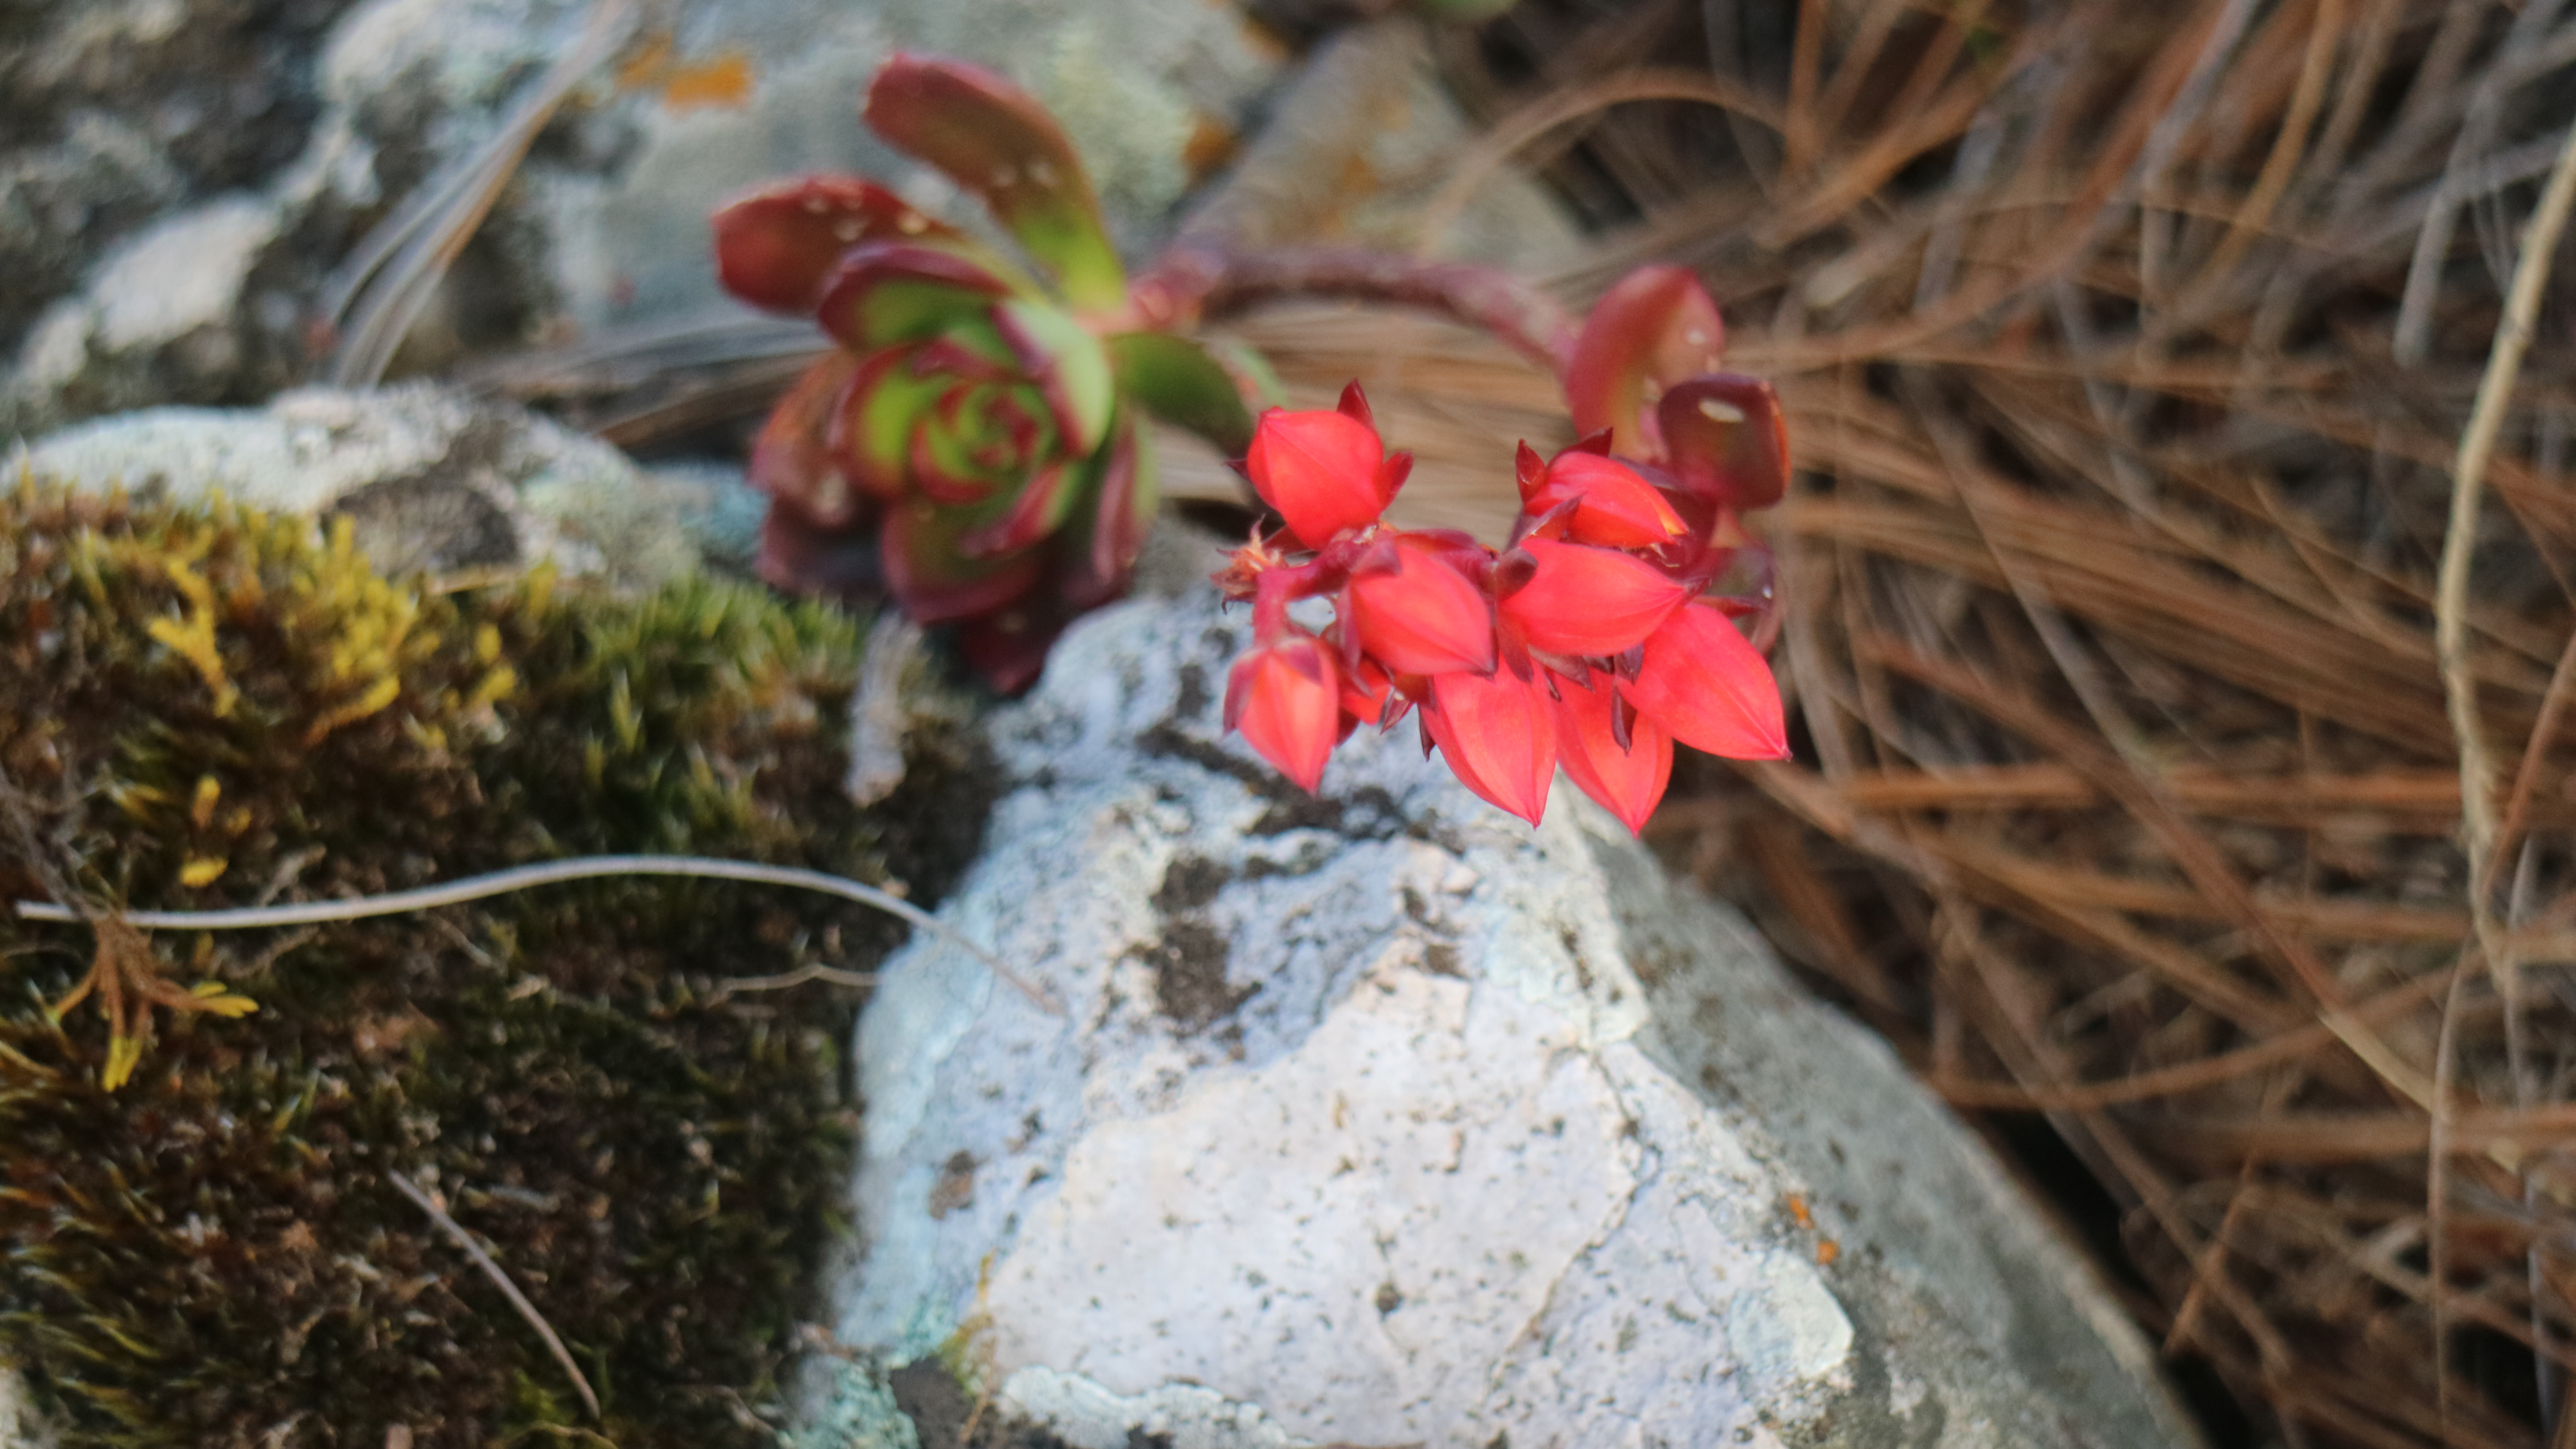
[[1378, 1118], [208, 289], [18, 1426], [432, 480], [157, 264]]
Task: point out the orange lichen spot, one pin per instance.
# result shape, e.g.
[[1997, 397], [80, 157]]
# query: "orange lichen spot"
[[1212, 143], [1798, 1214], [723, 79], [1826, 1251]]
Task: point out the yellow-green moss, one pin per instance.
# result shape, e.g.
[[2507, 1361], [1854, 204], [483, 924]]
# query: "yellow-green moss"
[[207, 708]]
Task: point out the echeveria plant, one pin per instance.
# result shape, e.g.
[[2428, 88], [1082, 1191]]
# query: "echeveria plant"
[[974, 447]]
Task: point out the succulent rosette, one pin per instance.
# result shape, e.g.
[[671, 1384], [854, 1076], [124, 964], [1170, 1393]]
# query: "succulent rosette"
[[975, 446]]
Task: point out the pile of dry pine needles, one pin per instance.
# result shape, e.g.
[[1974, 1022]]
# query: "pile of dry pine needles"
[[2174, 539], [2184, 517]]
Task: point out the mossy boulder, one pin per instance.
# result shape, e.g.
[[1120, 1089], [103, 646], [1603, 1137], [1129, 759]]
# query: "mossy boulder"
[[208, 706]]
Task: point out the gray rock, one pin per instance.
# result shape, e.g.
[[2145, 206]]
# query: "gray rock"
[[432, 480], [1377, 1117], [19, 1428], [142, 278], [152, 266]]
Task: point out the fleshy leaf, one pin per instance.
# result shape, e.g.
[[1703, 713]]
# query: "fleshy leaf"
[[1176, 380], [776, 247], [887, 292], [935, 581], [870, 433], [1069, 365], [1038, 509], [791, 461], [1655, 328], [1707, 684], [996, 141], [1102, 553], [1726, 440]]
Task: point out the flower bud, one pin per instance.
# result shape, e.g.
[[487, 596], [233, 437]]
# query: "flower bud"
[[1285, 699], [1711, 688], [1417, 614], [1498, 734], [1588, 601], [1324, 472], [1614, 506], [1612, 753]]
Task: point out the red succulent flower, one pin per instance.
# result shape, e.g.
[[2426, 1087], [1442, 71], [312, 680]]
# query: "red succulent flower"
[[1325, 472], [1579, 646]]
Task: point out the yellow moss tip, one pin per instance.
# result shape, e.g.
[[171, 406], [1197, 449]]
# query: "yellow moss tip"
[[201, 808], [124, 1054], [203, 870], [212, 997]]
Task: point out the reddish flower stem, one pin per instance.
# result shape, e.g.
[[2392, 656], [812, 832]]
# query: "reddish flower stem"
[[1197, 282]]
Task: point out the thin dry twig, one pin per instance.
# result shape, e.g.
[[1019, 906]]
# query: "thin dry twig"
[[456, 1234]]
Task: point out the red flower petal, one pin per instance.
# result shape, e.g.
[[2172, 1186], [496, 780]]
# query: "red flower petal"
[[1321, 470], [1704, 682], [776, 247], [1614, 505], [1656, 327], [1628, 781], [1285, 700], [1416, 614], [1499, 736], [1589, 601]]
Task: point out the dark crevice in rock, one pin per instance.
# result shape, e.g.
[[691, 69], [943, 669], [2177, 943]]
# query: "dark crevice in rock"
[[1367, 813]]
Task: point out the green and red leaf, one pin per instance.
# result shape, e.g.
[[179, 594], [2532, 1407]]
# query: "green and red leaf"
[[1657, 327], [776, 247], [1177, 381], [886, 292], [995, 140], [1725, 440], [1102, 547], [1068, 364]]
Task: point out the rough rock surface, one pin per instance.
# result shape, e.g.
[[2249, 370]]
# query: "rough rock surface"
[[179, 179], [1378, 1118], [432, 480], [151, 266], [17, 1431]]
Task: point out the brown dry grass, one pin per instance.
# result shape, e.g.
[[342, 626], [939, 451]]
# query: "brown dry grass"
[[2127, 352]]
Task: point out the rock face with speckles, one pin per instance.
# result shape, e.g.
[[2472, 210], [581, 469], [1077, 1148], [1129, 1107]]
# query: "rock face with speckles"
[[1378, 1118]]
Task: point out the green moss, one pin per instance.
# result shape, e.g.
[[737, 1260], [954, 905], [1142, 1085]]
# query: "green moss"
[[205, 708]]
